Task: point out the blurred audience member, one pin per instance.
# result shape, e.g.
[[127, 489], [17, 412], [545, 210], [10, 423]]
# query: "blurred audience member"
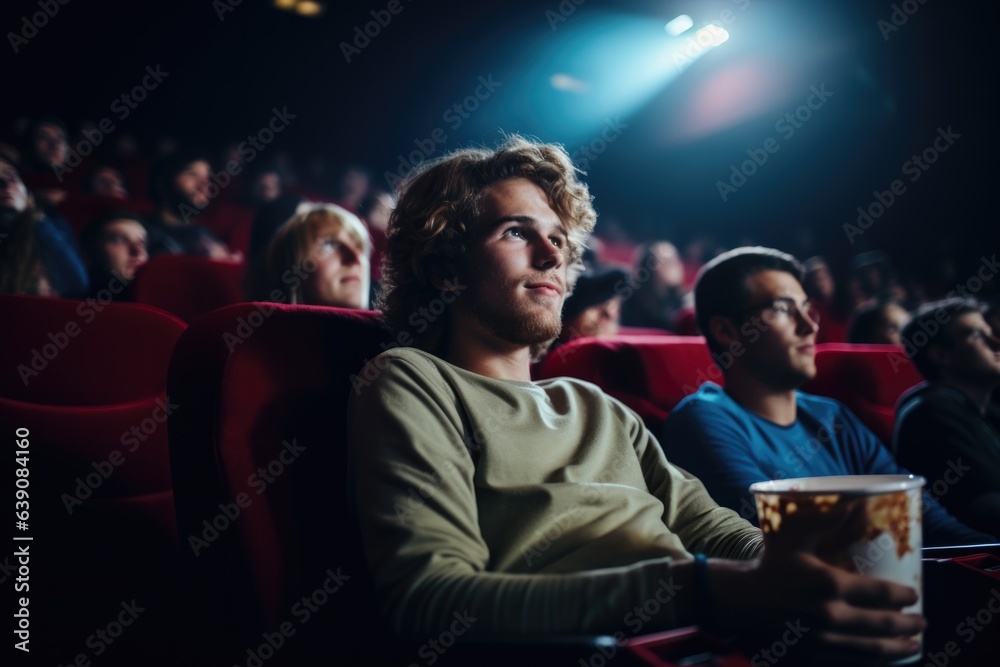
[[880, 323], [320, 257], [872, 277], [658, 284], [265, 186], [114, 247], [179, 187], [821, 289], [105, 181], [351, 187], [594, 307], [37, 254], [47, 152], [947, 428]]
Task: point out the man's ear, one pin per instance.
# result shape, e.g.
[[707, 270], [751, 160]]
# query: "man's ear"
[[723, 330]]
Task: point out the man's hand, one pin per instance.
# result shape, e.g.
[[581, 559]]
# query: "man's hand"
[[839, 614]]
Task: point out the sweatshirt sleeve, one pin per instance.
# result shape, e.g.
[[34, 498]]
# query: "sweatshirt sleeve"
[[689, 510], [412, 477]]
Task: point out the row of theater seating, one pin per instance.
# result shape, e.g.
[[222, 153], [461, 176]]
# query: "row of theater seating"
[[652, 374], [251, 457]]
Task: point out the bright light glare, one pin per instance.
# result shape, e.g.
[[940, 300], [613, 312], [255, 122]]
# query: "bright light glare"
[[679, 25], [568, 83], [711, 35]]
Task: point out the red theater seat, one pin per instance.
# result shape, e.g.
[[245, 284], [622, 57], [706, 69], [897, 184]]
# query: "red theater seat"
[[868, 379], [650, 374], [259, 466], [87, 383], [189, 286]]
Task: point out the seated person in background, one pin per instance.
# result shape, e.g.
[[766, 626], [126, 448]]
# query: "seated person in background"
[[318, 258], [594, 308], [106, 181], [947, 429], [544, 507], [114, 247], [761, 330], [37, 256], [45, 171], [657, 289], [821, 289], [179, 187], [878, 322]]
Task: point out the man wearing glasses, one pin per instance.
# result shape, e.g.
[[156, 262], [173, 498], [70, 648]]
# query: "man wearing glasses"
[[761, 329], [948, 429]]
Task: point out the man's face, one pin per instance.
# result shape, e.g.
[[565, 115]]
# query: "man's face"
[[191, 185], [973, 354], [50, 145], [108, 183], [894, 318], [122, 247], [516, 268], [784, 355], [342, 274], [669, 268], [13, 193], [267, 187]]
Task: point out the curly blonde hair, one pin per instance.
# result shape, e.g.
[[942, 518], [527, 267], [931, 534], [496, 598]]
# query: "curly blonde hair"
[[439, 207]]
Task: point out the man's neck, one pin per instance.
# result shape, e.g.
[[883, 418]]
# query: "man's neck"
[[494, 359], [776, 405], [980, 395]]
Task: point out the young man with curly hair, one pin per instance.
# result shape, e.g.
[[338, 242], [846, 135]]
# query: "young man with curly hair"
[[541, 508]]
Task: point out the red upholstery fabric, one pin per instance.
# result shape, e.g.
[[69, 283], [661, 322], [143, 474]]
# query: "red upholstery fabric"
[[650, 374], [188, 286], [101, 493], [119, 353], [258, 377], [868, 379]]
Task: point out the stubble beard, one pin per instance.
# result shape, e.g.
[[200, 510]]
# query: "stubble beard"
[[510, 319]]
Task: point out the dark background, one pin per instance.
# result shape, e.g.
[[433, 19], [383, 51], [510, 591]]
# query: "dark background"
[[657, 179]]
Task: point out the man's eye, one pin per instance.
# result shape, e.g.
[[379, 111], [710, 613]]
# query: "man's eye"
[[557, 241], [516, 232], [782, 307]]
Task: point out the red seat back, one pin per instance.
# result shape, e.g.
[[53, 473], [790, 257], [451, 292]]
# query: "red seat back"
[[101, 493], [268, 386], [650, 374], [868, 379], [189, 286]]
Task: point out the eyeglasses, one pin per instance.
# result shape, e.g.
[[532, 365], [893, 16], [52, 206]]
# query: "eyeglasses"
[[784, 308]]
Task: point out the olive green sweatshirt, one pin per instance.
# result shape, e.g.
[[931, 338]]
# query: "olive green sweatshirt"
[[534, 508]]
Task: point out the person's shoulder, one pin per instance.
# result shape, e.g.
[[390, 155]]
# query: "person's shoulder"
[[708, 396]]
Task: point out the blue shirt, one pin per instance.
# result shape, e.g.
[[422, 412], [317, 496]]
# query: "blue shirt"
[[729, 448]]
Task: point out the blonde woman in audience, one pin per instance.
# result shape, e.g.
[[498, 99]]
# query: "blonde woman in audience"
[[321, 257]]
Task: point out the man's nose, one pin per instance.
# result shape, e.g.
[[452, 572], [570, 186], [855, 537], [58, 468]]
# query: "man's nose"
[[547, 254]]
